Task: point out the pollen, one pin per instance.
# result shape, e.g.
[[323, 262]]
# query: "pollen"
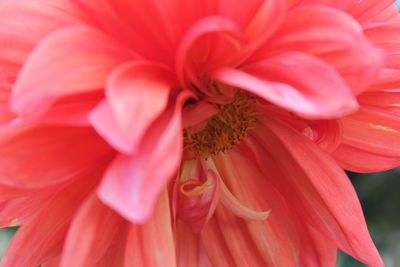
[[224, 130]]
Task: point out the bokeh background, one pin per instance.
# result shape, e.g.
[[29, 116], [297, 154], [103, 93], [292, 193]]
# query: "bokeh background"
[[379, 194]]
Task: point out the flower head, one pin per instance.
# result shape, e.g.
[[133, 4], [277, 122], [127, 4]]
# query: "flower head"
[[193, 133]]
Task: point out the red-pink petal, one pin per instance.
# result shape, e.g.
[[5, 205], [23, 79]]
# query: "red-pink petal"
[[84, 59], [23, 24], [311, 180], [226, 36], [137, 93], [91, 233], [43, 236], [132, 183], [47, 155], [371, 137], [293, 81], [152, 244], [333, 36]]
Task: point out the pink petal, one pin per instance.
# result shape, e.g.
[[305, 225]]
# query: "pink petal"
[[23, 24], [197, 199], [371, 137], [137, 93], [84, 59], [229, 39], [275, 238], [132, 183], [152, 244], [293, 81], [111, 17], [43, 236], [90, 234], [31, 157], [18, 209], [334, 37], [319, 190], [317, 250], [365, 10], [153, 25]]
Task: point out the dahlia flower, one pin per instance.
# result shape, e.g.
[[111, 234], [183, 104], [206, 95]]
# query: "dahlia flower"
[[194, 133]]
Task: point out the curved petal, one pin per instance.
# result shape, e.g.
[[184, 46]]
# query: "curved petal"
[[132, 183], [367, 9], [317, 187], [371, 137], [91, 233], [293, 81], [317, 249], [274, 239], [110, 17], [137, 93], [43, 236], [333, 36], [24, 23], [84, 59], [152, 244], [47, 155], [204, 56]]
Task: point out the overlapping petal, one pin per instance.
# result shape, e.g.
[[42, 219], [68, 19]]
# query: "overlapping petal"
[[314, 187], [293, 81], [136, 94], [84, 59], [132, 183], [371, 136], [31, 157], [43, 236]]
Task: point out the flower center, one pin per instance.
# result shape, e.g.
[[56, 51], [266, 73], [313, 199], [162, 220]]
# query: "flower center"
[[225, 129]]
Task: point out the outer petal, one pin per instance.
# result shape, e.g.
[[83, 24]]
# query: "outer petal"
[[132, 184], [45, 155], [137, 93], [24, 23], [371, 137], [317, 249], [294, 81], [269, 242], [84, 59], [319, 190], [90, 234], [152, 244], [333, 36], [43, 236], [367, 9], [143, 36]]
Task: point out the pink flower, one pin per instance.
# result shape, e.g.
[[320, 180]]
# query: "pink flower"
[[193, 133]]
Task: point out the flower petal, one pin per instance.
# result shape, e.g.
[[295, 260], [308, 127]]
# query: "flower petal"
[[313, 182], [84, 59], [275, 238], [23, 24], [46, 155], [229, 39], [84, 246], [293, 81], [42, 237], [371, 137], [132, 183], [333, 36], [137, 93], [152, 244]]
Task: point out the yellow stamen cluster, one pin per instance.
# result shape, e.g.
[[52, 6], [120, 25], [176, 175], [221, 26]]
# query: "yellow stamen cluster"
[[225, 129]]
